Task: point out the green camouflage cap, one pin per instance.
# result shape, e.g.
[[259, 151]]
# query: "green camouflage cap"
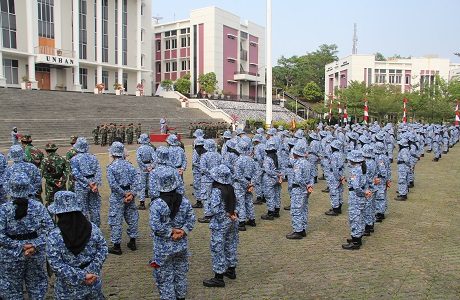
[[51, 147]]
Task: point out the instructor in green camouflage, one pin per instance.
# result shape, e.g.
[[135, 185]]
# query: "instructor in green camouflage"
[[54, 171]]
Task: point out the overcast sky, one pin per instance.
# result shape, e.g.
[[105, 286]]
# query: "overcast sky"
[[405, 27]]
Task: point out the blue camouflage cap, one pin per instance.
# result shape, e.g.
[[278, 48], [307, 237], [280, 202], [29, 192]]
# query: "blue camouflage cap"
[[162, 153], [271, 145], [64, 201], [144, 139], [198, 133], [221, 174], [355, 156], [16, 153], [199, 141], [168, 180], [227, 134], [210, 145], [231, 144], [365, 139], [243, 147], [117, 149], [19, 185], [367, 150], [271, 131], [81, 145], [172, 140], [353, 135], [299, 134], [281, 128], [379, 148], [257, 138], [336, 144], [291, 141], [314, 136], [260, 131], [403, 142], [300, 149], [239, 131], [380, 135]]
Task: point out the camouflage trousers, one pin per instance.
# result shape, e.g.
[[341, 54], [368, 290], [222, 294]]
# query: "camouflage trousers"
[[50, 190], [356, 206], [299, 209], [171, 276], [224, 247]]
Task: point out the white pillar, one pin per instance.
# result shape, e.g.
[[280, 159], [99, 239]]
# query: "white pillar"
[[138, 77], [268, 58], [120, 76], [30, 45], [138, 40], [76, 45], [99, 39]]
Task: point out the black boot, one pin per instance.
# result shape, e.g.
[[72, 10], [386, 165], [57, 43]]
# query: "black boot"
[[241, 226], [333, 212], [287, 207], [141, 205], [436, 159], [132, 244], [276, 214], [401, 198], [264, 200], [367, 231], [371, 228], [198, 204], [391, 160], [339, 209], [379, 217], [411, 184], [429, 151], [230, 273], [258, 201], [205, 219], [251, 223], [216, 281], [354, 244], [303, 233], [294, 236], [116, 249], [268, 216], [350, 240]]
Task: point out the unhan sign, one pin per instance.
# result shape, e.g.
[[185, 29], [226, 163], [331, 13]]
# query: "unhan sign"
[[56, 60]]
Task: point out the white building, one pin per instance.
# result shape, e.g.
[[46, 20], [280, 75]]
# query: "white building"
[[405, 73], [212, 40], [76, 44]]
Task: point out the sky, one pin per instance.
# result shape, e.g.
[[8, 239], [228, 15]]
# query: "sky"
[[405, 27]]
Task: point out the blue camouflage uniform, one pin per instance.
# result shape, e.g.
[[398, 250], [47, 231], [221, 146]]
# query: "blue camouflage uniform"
[[231, 155], [3, 166], [123, 179], [18, 230], [404, 165], [163, 165], [336, 171], [209, 160], [325, 153], [177, 156], [226, 137], [198, 150], [163, 126], [259, 155], [414, 149], [272, 173], [170, 257], [371, 177], [383, 173], [300, 179], [314, 154], [244, 171], [16, 154], [145, 157], [86, 169], [224, 231], [71, 269]]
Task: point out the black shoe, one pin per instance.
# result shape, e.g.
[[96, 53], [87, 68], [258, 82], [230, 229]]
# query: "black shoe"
[[251, 223], [268, 216], [241, 226], [141, 206], [276, 214], [371, 228], [132, 244], [316, 179], [411, 184], [198, 204], [379, 217], [429, 151], [367, 231], [287, 207], [326, 190], [303, 233], [354, 244], [391, 160], [264, 200], [294, 236], [436, 159], [216, 281], [332, 212], [116, 249], [350, 240], [230, 273], [401, 198], [258, 201], [422, 155], [444, 152], [205, 219]]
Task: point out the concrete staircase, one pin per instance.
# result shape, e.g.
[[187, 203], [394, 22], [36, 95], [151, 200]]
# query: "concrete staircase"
[[55, 116]]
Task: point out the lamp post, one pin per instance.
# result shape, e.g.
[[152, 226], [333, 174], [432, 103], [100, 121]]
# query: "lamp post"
[[268, 58]]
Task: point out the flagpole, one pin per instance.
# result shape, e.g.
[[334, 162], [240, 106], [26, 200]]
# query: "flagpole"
[[268, 63]]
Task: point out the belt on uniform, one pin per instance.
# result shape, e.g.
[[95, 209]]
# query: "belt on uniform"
[[401, 163], [83, 266], [248, 178], [23, 236], [295, 185], [351, 189], [125, 187], [147, 161], [89, 176]]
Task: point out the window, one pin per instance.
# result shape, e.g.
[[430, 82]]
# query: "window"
[[391, 79], [46, 18], [158, 45], [158, 67], [142, 35], [168, 67], [174, 44], [407, 79], [105, 79], [105, 31], [173, 32], [116, 31], [83, 42], [10, 69], [8, 20], [183, 31], [142, 60], [167, 33], [183, 65], [125, 33], [142, 9], [174, 66], [84, 78], [244, 35], [183, 42], [125, 81], [398, 79], [168, 45], [188, 41]]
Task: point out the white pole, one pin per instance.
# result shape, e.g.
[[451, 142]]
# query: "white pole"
[[268, 107]]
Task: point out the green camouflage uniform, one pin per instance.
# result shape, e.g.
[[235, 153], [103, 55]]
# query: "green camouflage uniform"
[[103, 133], [33, 155], [138, 132], [96, 135], [130, 134], [68, 156], [111, 133], [123, 134], [54, 170]]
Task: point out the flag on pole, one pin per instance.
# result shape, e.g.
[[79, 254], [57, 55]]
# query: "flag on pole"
[[345, 115], [366, 111], [405, 111], [457, 115]]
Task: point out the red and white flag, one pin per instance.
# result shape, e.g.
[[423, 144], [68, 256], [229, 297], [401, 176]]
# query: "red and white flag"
[[405, 111], [345, 115], [457, 115], [366, 111]]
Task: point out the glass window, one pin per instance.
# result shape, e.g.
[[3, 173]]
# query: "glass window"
[[105, 79], [8, 21], [168, 45], [174, 66], [183, 42], [158, 45], [125, 33], [46, 18], [84, 78], [10, 69], [83, 33], [105, 36], [168, 67], [183, 31]]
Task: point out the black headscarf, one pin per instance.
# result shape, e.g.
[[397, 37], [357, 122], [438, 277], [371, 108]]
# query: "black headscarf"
[[22, 205], [200, 149], [174, 200], [272, 154], [228, 195], [75, 229], [231, 150]]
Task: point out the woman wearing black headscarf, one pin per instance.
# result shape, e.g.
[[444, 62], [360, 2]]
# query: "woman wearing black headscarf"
[[76, 251], [224, 227]]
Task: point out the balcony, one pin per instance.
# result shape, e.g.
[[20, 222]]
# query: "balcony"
[[54, 56], [246, 76]]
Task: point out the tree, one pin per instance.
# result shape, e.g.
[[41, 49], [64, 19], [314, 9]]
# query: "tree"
[[353, 97], [167, 85], [208, 82], [379, 57], [182, 85], [312, 92]]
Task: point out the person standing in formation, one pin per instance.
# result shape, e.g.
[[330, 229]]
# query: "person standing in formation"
[[54, 171], [145, 157], [15, 136]]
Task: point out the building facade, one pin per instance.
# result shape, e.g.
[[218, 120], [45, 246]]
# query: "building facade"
[[212, 40], [404, 73], [76, 44]]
